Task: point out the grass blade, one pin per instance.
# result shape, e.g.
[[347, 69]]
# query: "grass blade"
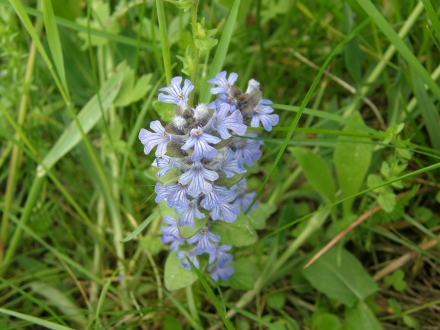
[[88, 117], [218, 306], [392, 36], [222, 49], [34, 320], [427, 109], [141, 226], [53, 38], [184, 312]]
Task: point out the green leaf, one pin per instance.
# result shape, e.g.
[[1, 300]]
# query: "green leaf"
[[205, 44], [276, 301], [182, 4], [171, 323], [339, 275], [395, 306], [88, 117], [141, 227], [352, 160], [245, 274], [423, 213], [387, 200], [361, 318], [237, 233], [164, 110], [257, 217], [410, 321], [326, 321], [177, 277], [228, 182], [141, 87], [186, 232], [316, 172]]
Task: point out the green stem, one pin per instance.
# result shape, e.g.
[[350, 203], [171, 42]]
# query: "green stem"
[[31, 200], [13, 164], [164, 39], [195, 49]]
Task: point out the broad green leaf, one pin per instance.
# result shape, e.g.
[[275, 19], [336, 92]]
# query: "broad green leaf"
[[316, 172], [228, 182], [205, 44], [410, 321], [124, 95], [326, 321], [387, 200], [352, 161], [245, 274], [88, 117], [59, 299], [360, 317], [34, 320], [339, 275], [237, 233], [276, 301], [164, 110], [141, 87], [177, 277], [257, 217], [186, 232]]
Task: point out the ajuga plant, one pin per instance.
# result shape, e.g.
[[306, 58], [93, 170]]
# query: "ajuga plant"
[[201, 156]]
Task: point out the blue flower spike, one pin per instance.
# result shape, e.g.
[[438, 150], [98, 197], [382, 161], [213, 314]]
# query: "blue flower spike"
[[209, 144]]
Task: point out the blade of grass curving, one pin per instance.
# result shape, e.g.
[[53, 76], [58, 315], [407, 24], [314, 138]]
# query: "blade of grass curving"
[[184, 312], [218, 306], [81, 28], [222, 49], [141, 227], [335, 51], [53, 38], [35, 320], [432, 16], [421, 227], [402, 240], [427, 109], [328, 116], [252, 317], [164, 39], [101, 300], [406, 53]]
